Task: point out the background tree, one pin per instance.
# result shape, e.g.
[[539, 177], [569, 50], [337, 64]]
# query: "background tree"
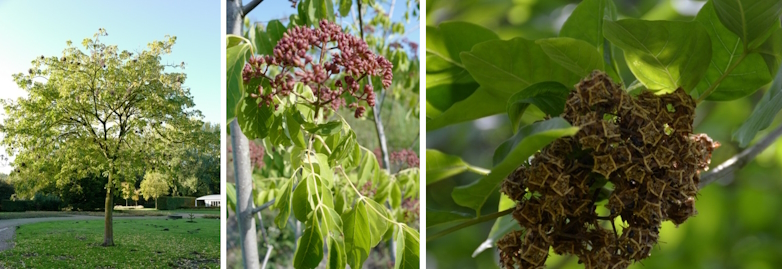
[[87, 110], [127, 191], [135, 196], [154, 185]]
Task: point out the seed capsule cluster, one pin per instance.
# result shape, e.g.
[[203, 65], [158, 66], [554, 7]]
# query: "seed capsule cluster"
[[643, 146]]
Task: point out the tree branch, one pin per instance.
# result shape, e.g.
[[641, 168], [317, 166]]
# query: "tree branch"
[[469, 223], [250, 6], [740, 160]]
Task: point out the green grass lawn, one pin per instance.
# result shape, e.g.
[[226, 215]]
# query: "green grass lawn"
[[140, 243], [44, 214]]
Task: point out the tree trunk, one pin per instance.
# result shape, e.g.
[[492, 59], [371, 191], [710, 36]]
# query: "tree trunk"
[[108, 232], [234, 17], [244, 199]]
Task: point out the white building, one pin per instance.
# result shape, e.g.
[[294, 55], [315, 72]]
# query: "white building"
[[209, 200]]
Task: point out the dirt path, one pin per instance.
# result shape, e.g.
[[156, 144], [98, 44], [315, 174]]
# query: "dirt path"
[[8, 227]]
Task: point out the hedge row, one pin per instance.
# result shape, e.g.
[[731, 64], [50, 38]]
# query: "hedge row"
[[171, 203], [15, 206]]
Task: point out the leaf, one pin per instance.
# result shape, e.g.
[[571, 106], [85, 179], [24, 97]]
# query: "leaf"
[[531, 139], [502, 226], [309, 249], [234, 62], [283, 203], [326, 129], [321, 10], [407, 252], [395, 197], [293, 128], [336, 253], [447, 81], [302, 205], [504, 67], [357, 238], [440, 166], [586, 22], [664, 55], [763, 114], [747, 77], [263, 43], [549, 96], [476, 106], [771, 51], [255, 122], [331, 220], [230, 195], [575, 55], [368, 166], [752, 20], [378, 224], [276, 30], [344, 7], [437, 217]]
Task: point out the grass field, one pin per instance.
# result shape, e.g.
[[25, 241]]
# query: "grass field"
[[140, 243]]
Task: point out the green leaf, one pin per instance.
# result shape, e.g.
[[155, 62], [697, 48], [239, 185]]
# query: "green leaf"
[[395, 197], [293, 128], [502, 226], [663, 55], [771, 51], [575, 55], [382, 187], [586, 22], [763, 114], [276, 30], [344, 148], [344, 7], [326, 129], [325, 172], [407, 248], [256, 122], [447, 81], [549, 96], [473, 107], [336, 253], [378, 224], [531, 139], [357, 238], [752, 20], [332, 220], [230, 195], [504, 67], [234, 62], [747, 77], [368, 166], [283, 203], [302, 205], [309, 250], [440, 166], [263, 42], [437, 217]]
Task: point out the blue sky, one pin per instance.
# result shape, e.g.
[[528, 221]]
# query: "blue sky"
[[31, 28]]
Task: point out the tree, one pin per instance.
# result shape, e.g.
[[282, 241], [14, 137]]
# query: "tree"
[[127, 191], [154, 185], [98, 111], [135, 197]]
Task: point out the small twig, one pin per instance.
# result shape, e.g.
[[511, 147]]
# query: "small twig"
[[740, 160], [470, 223]]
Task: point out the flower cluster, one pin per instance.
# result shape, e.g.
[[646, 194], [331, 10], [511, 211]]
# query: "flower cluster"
[[256, 155], [643, 146], [405, 156], [313, 57]]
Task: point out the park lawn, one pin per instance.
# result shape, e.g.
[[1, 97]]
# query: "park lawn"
[[140, 243], [215, 211]]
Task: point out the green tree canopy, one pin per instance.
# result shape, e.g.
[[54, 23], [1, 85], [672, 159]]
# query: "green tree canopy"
[[154, 185]]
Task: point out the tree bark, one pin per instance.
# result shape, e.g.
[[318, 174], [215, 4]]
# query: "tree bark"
[[108, 231], [234, 17], [244, 199]]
